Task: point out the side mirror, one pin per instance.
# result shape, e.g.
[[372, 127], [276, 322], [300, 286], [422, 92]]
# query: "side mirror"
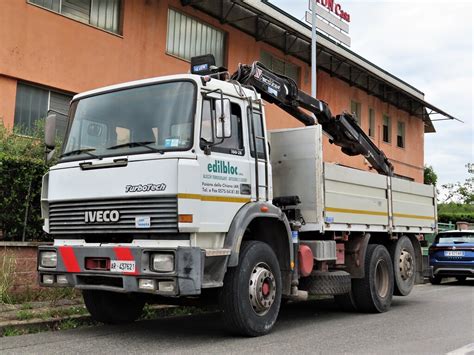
[[50, 132], [223, 123]]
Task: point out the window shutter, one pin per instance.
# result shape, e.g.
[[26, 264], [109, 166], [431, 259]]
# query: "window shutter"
[[187, 38], [105, 14], [76, 9], [31, 105]]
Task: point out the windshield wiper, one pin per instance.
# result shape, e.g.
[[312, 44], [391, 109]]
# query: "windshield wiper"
[[137, 144], [81, 151]]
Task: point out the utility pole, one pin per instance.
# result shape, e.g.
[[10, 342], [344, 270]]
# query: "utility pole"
[[313, 50]]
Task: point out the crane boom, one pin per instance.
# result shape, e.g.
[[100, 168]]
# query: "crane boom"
[[343, 129]]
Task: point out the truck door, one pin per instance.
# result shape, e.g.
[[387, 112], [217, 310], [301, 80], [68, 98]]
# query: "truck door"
[[225, 169], [261, 176]]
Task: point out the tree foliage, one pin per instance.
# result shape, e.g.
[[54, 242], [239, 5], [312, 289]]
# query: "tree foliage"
[[455, 212], [461, 192], [429, 175], [21, 171]]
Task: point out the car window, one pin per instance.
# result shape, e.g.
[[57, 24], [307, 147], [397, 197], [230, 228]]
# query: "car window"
[[455, 238]]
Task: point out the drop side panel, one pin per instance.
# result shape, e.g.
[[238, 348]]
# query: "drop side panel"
[[355, 200], [414, 206]]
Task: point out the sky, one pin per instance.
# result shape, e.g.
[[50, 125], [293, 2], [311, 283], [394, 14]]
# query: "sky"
[[428, 44]]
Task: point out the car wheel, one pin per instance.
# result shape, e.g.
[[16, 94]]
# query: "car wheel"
[[404, 266], [251, 295], [373, 293], [113, 307], [435, 280]]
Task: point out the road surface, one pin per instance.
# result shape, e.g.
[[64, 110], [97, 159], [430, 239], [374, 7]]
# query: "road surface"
[[431, 320]]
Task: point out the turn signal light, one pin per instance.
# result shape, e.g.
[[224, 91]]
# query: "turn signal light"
[[185, 218]]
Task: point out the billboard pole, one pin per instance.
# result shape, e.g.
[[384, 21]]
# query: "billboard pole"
[[313, 49]]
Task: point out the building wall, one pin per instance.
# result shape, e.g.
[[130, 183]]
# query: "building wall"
[[48, 49]]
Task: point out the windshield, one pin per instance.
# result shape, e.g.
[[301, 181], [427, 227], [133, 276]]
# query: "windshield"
[[456, 238], [154, 118]]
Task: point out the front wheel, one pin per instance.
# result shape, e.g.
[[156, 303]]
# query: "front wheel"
[[112, 307], [251, 296]]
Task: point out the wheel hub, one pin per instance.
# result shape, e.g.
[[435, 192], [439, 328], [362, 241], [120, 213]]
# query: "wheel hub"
[[262, 289], [381, 278], [406, 265]]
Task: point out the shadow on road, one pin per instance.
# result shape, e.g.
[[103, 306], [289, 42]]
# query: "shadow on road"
[[209, 327]]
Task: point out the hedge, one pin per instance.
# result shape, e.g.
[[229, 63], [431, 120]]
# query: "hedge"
[[18, 197]]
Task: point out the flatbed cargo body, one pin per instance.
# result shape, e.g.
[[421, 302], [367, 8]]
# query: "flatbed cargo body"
[[342, 199]]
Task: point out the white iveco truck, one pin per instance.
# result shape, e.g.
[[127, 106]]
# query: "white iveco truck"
[[171, 188]]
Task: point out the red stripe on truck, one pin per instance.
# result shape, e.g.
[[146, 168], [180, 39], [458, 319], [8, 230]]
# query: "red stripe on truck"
[[69, 259]]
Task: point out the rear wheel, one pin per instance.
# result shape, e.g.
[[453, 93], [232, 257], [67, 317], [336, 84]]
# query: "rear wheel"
[[373, 293], [251, 295], [404, 266], [113, 307], [435, 280]]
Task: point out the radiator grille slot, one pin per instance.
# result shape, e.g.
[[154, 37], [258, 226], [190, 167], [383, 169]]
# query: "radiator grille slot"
[[69, 217]]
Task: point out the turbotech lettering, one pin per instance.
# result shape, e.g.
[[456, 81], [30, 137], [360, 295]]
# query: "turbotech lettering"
[[145, 187]]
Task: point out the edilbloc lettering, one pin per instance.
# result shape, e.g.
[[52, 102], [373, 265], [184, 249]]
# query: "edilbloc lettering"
[[223, 167]]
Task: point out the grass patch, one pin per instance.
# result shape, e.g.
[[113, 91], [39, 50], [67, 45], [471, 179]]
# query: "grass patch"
[[45, 294], [25, 314], [67, 312], [12, 331], [7, 270]]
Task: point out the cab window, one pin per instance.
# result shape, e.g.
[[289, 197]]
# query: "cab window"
[[232, 145]]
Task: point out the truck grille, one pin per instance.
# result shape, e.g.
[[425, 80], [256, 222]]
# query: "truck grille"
[[69, 217]]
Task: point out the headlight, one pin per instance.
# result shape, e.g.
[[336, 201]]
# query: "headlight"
[[162, 262], [48, 259]]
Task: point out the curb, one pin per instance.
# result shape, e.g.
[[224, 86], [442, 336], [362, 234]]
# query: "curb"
[[40, 323]]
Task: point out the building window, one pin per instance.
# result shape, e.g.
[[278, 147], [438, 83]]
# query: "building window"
[[33, 103], [280, 66], [371, 122], [104, 14], [356, 110], [387, 128], [188, 37], [400, 134]]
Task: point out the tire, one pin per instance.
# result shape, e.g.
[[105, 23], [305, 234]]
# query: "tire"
[[327, 283], [346, 302], [461, 278], [112, 307], [249, 309], [373, 293], [404, 266], [435, 280]]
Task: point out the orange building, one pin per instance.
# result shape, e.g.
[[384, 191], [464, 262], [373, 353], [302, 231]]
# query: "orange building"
[[52, 49]]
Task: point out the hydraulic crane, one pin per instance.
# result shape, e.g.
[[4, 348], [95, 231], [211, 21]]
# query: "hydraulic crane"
[[342, 129]]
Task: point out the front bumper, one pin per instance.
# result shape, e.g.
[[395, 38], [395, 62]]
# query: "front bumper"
[[186, 277]]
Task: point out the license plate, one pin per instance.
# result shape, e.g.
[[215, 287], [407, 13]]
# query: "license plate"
[[453, 253], [122, 266]]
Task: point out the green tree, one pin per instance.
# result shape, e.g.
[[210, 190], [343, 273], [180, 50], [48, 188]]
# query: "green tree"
[[461, 192], [430, 177]]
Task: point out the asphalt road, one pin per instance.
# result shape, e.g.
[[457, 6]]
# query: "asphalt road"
[[431, 320]]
